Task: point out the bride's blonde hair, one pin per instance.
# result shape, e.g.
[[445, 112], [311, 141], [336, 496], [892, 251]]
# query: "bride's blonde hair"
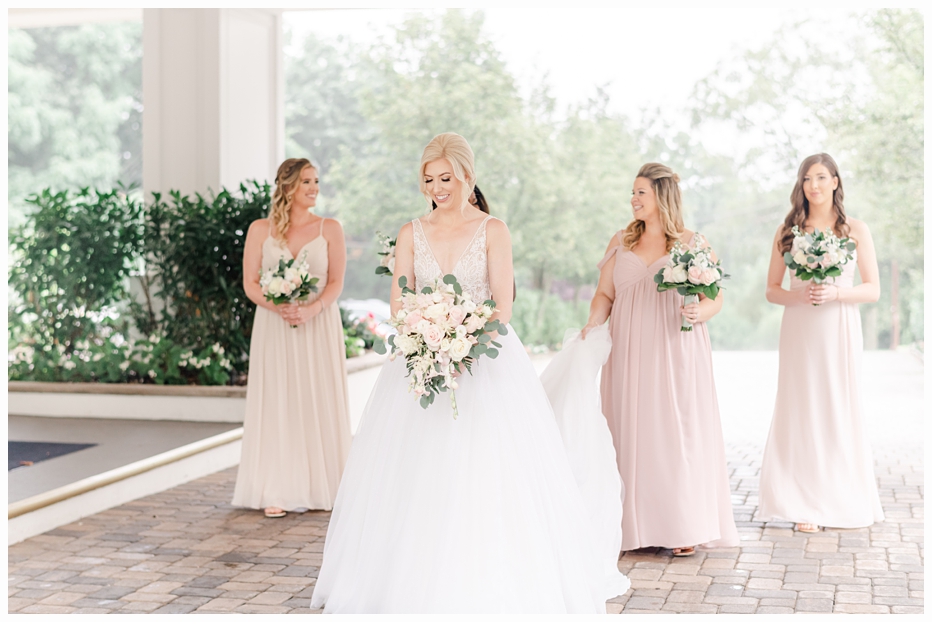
[[285, 183], [453, 148], [665, 184]]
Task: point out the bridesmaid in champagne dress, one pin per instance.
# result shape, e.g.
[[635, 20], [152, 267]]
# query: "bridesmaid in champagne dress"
[[658, 392], [297, 429], [817, 467]]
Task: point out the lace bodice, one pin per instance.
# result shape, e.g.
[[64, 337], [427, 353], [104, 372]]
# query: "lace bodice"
[[471, 270]]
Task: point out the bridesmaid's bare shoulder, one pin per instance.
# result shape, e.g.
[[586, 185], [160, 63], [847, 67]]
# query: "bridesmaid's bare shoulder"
[[259, 229], [615, 240], [858, 227], [332, 228]]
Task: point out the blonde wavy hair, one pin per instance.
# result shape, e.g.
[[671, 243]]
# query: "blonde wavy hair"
[[665, 184], [285, 182], [453, 148]]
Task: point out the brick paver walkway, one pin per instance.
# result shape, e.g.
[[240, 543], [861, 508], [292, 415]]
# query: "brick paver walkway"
[[188, 550]]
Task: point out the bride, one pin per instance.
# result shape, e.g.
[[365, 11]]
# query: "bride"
[[478, 514]]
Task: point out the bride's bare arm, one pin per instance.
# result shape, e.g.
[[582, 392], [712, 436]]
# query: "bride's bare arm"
[[501, 269], [404, 264], [601, 306]]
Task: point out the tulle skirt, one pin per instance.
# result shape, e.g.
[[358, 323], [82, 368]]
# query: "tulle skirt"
[[478, 514]]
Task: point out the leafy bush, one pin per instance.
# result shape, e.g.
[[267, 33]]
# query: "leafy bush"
[[195, 248], [542, 319], [358, 335], [70, 262], [72, 317]]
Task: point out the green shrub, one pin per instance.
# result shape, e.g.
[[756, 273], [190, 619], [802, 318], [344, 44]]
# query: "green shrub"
[[195, 247], [541, 319]]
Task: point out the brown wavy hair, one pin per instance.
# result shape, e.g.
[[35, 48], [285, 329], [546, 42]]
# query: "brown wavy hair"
[[665, 184], [285, 181], [799, 213]]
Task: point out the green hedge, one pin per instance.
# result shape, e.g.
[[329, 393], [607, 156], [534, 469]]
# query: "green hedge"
[[71, 314]]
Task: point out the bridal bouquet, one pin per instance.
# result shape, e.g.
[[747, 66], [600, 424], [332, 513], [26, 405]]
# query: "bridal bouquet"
[[441, 331], [291, 282], [691, 271], [819, 256], [387, 252]]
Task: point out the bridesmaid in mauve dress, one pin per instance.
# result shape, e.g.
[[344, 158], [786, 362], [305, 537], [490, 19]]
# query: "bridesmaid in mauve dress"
[[297, 432], [658, 392], [817, 467]]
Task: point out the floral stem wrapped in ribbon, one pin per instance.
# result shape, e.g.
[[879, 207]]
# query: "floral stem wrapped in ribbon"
[[691, 271], [819, 256], [441, 332], [291, 282], [387, 252]]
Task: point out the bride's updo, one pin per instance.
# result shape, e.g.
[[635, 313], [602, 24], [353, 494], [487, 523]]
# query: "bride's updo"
[[453, 148]]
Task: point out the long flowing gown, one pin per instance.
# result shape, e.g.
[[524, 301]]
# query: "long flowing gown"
[[817, 465], [658, 394], [475, 514], [297, 431]]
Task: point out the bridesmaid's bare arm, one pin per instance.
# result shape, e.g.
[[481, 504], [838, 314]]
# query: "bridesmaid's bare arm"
[[501, 269], [252, 261], [404, 264], [775, 273], [336, 264], [869, 289], [601, 306]]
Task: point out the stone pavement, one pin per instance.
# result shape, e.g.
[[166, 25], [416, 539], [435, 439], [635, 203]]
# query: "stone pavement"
[[187, 550]]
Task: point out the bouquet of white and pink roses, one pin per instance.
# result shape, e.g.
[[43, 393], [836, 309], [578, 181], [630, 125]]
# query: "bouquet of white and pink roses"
[[387, 252], [291, 282], [819, 256], [441, 331], [691, 271]]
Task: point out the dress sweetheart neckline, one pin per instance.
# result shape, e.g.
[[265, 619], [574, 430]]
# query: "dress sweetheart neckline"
[[295, 256]]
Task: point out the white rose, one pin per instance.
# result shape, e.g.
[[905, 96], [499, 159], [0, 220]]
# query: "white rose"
[[405, 344], [459, 349], [799, 243], [800, 258], [293, 276], [421, 326], [472, 323], [286, 288], [436, 312], [275, 286], [462, 331], [668, 274], [679, 274], [445, 344], [469, 306]]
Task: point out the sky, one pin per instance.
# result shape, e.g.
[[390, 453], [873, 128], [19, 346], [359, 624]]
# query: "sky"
[[647, 58]]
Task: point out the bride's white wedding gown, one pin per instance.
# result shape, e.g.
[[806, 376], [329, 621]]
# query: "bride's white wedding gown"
[[478, 514]]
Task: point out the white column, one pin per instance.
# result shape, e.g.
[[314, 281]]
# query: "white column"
[[213, 92]]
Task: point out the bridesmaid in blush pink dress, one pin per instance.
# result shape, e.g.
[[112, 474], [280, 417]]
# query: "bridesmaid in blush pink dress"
[[658, 392], [817, 467]]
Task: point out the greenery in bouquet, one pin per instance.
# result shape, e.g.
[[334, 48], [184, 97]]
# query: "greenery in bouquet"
[[387, 252], [819, 256], [441, 332]]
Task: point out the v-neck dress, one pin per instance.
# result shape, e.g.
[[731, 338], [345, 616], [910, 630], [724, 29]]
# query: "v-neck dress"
[[658, 395], [297, 430]]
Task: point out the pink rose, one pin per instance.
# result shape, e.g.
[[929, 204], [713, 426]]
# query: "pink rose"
[[707, 277], [456, 315], [694, 274], [433, 335], [472, 323], [413, 318]]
